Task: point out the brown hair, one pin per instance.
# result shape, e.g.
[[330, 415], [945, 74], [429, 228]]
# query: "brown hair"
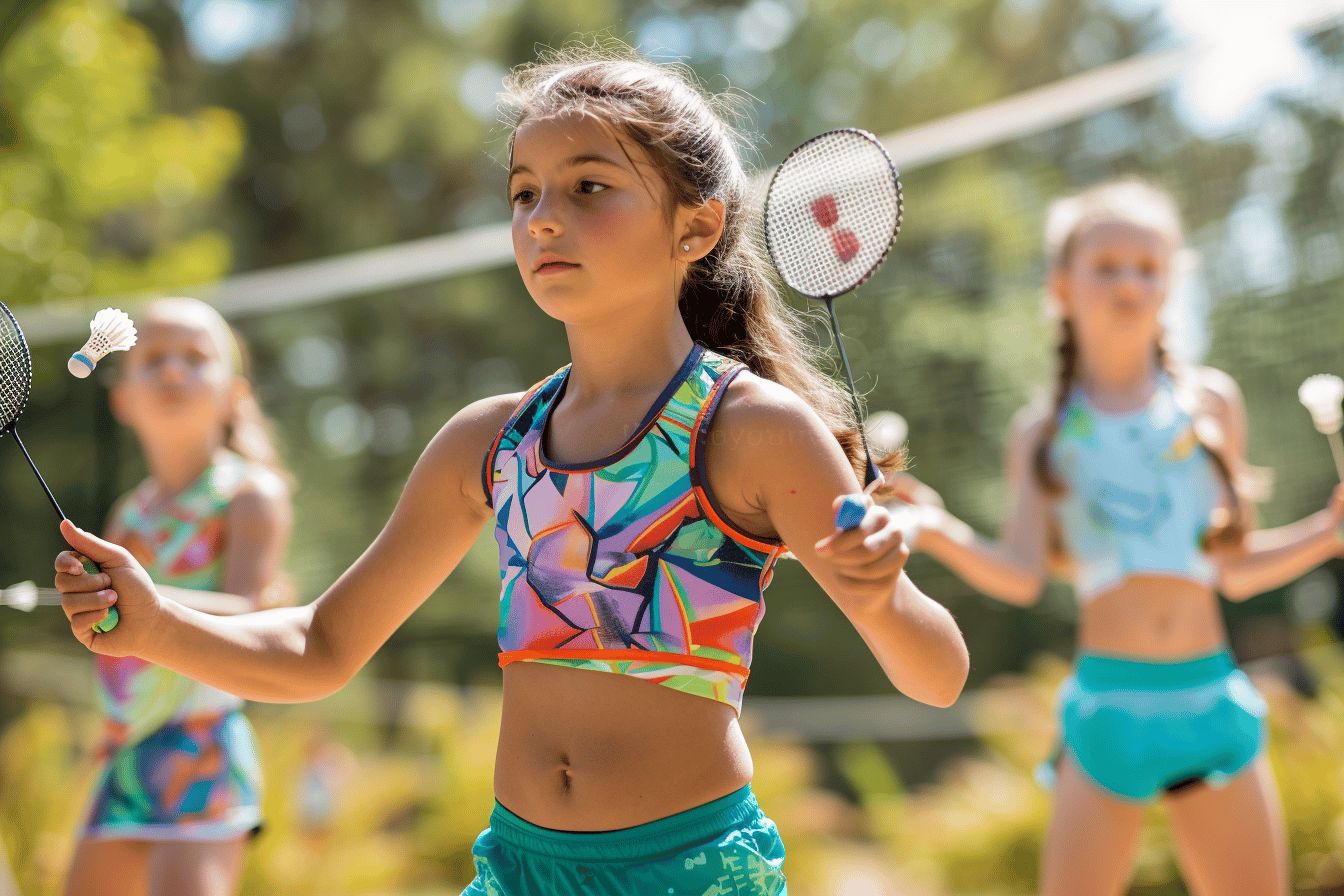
[[1139, 203], [729, 300]]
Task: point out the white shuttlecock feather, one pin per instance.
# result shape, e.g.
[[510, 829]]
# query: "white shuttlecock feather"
[[887, 431], [22, 596], [1322, 396], [111, 331]]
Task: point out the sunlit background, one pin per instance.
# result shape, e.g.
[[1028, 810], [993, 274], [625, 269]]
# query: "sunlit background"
[[328, 173]]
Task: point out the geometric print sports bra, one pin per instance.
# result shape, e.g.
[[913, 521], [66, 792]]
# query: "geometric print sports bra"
[[625, 564]]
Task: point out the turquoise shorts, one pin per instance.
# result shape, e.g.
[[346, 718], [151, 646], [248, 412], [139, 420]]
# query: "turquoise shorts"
[[724, 848], [1138, 728]]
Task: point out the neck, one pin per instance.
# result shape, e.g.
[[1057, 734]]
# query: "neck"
[[625, 357], [1117, 376], [174, 466]]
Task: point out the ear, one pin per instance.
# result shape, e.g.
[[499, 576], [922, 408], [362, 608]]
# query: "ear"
[[240, 388], [1057, 289], [698, 230], [119, 404]]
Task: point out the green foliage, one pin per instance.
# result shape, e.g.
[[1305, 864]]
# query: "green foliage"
[[99, 193]]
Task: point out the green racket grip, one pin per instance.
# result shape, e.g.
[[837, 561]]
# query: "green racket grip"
[[113, 617]]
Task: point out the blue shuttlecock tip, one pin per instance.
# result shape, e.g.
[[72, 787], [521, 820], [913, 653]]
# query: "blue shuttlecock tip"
[[79, 365], [851, 512]]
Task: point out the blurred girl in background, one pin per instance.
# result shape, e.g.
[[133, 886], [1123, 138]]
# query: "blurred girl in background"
[[1132, 483], [179, 793]]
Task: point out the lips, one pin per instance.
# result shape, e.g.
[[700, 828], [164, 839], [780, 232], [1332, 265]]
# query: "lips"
[[549, 261]]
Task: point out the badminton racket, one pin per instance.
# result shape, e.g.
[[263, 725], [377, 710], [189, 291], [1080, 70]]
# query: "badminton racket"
[[832, 213], [16, 382]]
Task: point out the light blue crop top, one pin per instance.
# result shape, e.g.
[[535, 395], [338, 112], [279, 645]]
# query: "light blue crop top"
[[1140, 491]]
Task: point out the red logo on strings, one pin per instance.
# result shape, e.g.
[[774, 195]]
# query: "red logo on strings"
[[826, 212]]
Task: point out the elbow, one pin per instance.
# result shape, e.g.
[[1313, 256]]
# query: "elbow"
[[1024, 590], [947, 687], [1235, 589]]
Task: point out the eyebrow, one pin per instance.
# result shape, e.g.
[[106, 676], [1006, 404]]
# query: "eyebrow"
[[570, 162]]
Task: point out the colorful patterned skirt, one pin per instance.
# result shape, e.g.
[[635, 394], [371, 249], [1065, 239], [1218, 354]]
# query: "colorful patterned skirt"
[[198, 779]]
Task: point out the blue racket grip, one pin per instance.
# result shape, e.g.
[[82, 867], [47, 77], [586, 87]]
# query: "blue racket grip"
[[851, 513], [109, 621]]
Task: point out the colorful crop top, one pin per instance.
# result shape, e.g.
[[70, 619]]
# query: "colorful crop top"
[[1140, 491], [625, 564], [181, 544]]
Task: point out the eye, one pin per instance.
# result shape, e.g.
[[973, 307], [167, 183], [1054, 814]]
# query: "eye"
[[584, 184], [523, 195]]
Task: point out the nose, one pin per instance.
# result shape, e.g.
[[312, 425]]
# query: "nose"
[[543, 221], [172, 370]]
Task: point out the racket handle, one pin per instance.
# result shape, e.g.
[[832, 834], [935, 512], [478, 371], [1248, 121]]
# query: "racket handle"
[[113, 617], [851, 512], [109, 621]]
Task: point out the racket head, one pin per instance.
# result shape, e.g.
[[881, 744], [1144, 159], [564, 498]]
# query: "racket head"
[[16, 370], [832, 212]]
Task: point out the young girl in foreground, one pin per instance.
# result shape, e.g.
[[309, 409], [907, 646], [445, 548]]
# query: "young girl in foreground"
[[1135, 476], [640, 498], [178, 797]]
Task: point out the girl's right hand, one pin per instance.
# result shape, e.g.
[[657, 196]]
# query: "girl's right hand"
[[85, 597], [910, 490]]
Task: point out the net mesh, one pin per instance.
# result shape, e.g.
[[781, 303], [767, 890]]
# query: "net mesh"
[[832, 212], [16, 370]]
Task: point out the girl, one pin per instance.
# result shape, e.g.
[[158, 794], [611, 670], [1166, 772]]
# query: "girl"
[[640, 498], [178, 796], [1133, 482]]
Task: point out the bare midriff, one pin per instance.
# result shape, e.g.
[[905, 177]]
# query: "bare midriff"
[[596, 751], [1155, 617]]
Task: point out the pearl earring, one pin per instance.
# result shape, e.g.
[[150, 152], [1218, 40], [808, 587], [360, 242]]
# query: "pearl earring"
[[685, 247]]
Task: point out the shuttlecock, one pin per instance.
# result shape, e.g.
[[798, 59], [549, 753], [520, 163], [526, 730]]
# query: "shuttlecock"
[[22, 596], [1322, 396], [887, 431], [111, 331]]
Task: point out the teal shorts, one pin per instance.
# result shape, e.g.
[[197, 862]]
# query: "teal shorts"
[[724, 848], [1138, 728]]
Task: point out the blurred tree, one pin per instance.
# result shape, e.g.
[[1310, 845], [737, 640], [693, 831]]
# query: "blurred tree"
[[98, 192]]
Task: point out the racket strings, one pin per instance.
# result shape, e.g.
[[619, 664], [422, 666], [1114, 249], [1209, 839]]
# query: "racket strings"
[[16, 370], [833, 210]]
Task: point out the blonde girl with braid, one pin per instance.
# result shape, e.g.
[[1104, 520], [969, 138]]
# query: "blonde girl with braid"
[[1132, 483]]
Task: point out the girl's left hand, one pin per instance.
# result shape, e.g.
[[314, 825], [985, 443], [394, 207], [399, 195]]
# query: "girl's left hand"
[[1335, 508], [868, 559]]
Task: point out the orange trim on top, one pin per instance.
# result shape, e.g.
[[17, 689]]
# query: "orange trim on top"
[[508, 657]]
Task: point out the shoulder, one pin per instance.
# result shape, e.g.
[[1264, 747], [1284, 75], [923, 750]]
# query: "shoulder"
[[1030, 420], [1218, 390], [759, 412], [461, 446], [472, 430], [262, 498]]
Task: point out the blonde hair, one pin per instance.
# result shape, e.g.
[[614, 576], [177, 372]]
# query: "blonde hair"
[[247, 433], [1141, 204], [730, 300]]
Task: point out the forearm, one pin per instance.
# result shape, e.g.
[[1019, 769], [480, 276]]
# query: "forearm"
[[272, 656], [917, 643], [985, 565], [1272, 558], [214, 603]]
